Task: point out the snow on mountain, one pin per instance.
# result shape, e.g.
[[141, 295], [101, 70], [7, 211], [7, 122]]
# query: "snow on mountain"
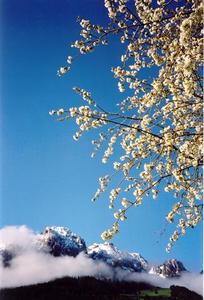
[[114, 257], [61, 241], [170, 268]]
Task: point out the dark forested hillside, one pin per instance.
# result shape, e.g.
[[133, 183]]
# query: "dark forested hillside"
[[84, 288], [89, 288]]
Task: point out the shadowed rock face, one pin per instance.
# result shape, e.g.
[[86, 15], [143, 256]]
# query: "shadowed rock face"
[[109, 254], [170, 268], [6, 257], [61, 241]]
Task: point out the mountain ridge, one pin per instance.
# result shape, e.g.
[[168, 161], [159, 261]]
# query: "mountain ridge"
[[61, 241]]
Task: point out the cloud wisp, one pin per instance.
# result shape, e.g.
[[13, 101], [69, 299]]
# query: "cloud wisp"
[[31, 265]]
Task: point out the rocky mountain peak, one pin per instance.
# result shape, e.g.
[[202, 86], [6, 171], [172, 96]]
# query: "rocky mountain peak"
[[109, 254], [61, 241], [170, 268]]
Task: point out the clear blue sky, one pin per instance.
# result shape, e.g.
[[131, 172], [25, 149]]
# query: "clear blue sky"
[[48, 178]]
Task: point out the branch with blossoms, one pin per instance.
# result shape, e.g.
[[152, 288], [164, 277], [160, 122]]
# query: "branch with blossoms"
[[159, 126]]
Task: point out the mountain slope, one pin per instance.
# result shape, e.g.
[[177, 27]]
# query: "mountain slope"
[[114, 257]]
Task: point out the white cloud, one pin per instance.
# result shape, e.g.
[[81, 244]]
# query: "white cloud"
[[36, 267], [18, 237]]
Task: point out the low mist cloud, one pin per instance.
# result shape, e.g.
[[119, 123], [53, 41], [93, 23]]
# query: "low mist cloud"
[[32, 266], [192, 281]]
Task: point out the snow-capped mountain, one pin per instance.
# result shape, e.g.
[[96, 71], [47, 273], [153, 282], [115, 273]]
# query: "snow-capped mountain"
[[170, 268], [61, 241], [109, 254], [57, 241]]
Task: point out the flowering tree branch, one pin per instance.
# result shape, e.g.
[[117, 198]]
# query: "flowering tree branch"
[[159, 125]]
